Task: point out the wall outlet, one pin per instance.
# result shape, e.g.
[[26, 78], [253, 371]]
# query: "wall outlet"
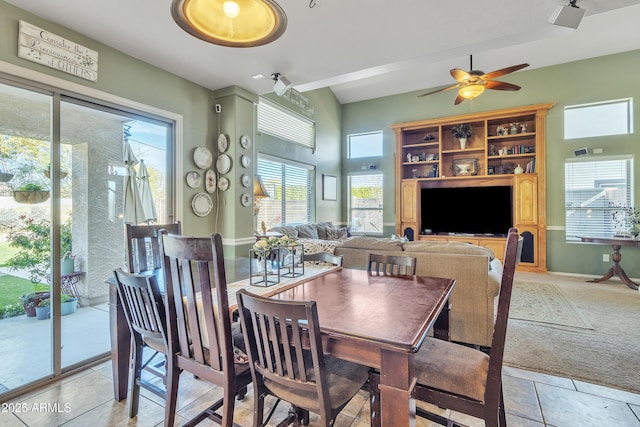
[[605, 257]]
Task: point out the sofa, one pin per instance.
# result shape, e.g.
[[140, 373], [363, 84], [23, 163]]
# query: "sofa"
[[476, 270]]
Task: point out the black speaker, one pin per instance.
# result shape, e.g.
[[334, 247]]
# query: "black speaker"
[[567, 16]]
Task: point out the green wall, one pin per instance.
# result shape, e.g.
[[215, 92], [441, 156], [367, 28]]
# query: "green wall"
[[592, 80]]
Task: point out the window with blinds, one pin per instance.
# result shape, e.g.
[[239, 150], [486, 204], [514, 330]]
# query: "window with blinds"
[[290, 189], [593, 190], [365, 204], [284, 124]]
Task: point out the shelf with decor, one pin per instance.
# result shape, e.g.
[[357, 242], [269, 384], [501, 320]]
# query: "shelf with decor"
[[506, 150]]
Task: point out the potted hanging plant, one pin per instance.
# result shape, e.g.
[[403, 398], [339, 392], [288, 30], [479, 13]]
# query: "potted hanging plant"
[[43, 309], [463, 131], [31, 193]]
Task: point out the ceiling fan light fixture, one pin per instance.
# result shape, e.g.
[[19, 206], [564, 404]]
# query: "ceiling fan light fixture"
[[231, 23], [471, 91]]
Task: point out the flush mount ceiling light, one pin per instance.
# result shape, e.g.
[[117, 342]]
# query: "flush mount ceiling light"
[[232, 23]]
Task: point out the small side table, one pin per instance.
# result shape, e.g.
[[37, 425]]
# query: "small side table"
[[616, 269], [68, 284]]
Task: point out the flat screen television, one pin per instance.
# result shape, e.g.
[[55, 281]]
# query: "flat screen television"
[[467, 210]]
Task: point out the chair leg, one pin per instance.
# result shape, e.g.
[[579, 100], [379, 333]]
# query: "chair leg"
[[173, 379], [134, 377], [374, 398], [501, 411]]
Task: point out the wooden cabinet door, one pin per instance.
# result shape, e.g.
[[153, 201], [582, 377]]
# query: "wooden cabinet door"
[[409, 197], [496, 245], [526, 199]]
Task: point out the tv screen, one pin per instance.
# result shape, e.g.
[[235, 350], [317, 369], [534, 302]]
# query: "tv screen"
[[467, 210]]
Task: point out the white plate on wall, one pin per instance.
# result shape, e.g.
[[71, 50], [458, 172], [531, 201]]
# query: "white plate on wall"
[[245, 180], [223, 184], [201, 204], [223, 164], [193, 179], [245, 199], [223, 143], [202, 157], [210, 181], [245, 141], [245, 161]]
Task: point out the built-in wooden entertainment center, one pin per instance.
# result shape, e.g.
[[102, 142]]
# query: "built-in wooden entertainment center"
[[507, 149]]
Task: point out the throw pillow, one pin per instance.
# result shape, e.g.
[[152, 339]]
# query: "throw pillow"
[[308, 231], [337, 234], [323, 228], [286, 230]]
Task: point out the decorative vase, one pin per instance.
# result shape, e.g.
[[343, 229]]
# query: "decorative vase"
[[634, 230], [463, 143], [518, 170]]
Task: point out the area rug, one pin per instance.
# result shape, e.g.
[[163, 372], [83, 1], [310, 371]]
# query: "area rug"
[[545, 303], [606, 352]]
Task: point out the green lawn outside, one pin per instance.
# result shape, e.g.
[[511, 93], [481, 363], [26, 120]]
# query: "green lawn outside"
[[11, 287], [6, 252]]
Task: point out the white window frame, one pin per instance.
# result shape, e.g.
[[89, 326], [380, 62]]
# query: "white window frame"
[[310, 190], [593, 187], [351, 138], [365, 229], [596, 119]]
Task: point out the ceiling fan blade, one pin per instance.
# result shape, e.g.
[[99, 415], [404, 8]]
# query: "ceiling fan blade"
[[458, 100], [503, 71], [439, 90], [495, 85], [460, 75]]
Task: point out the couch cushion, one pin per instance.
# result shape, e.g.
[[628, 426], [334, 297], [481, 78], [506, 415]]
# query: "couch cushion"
[[308, 231], [287, 230], [448, 248], [361, 242]]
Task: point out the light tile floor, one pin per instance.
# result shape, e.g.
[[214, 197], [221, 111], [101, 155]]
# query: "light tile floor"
[[532, 400]]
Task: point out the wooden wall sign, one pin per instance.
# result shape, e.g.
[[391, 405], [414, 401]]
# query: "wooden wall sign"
[[43, 47]]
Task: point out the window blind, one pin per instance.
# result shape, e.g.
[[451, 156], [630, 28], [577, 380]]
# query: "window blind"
[[281, 123], [593, 188], [290, 190]]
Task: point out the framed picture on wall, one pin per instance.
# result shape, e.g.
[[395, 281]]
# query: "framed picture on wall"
[[329, 187]]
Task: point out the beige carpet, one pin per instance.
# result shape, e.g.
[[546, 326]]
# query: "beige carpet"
[[571, 328]]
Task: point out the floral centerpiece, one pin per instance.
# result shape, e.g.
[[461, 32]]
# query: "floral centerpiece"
[[627, 218]]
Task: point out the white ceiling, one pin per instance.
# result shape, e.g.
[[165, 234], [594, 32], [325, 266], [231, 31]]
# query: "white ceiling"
[[360, 49]]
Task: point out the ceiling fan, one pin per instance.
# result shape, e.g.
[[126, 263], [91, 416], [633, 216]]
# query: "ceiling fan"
[[472, 83]]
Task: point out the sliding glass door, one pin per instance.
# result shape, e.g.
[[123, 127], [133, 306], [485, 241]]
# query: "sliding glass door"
[[65, 165]]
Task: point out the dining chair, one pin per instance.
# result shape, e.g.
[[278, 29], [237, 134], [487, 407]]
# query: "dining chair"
[[143, 245], [391, 264], [284, 346], [145, 313], [322, 258], [462, 378], [200, 338]]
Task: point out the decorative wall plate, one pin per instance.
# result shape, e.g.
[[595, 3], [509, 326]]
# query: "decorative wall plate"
[[201, 204], [223, 184], [245, 199], [223, 143], [210, 181], [245, 161], [223, 164], [193, 179], [245, 180], [245, 141], [202, 157]]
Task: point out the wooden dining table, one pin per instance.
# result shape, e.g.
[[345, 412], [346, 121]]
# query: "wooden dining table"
[[377, 321], [374, 320]]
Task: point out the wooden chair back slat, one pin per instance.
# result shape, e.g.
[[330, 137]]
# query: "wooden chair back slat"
[[392, 264], [143, 246]]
